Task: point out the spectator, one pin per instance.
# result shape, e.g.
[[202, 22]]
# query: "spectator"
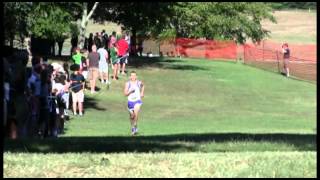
[[93, 64], [105, 40], [66, 88], [84, 70], [114, 60], [103, 65], [90, 42], [17, 105], [112, 39], [35, 83], [123, 48], [140, 46], [97, 40], [76, 58], [45, 123], [58, 89], [77, 88], [6, 88], [286, 58]]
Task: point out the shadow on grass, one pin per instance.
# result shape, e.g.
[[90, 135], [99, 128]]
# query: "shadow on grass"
[[163, 143], [91, 103], [160, 62]]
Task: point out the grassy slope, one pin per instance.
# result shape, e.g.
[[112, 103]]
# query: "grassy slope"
[[190, 106]]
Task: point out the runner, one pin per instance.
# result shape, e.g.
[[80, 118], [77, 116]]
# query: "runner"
[[134, 89]]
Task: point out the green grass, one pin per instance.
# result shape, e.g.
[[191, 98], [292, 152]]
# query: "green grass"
[[199, 119], [246, 164]]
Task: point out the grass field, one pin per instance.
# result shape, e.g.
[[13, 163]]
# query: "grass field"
[[293, 26], [199, 119]]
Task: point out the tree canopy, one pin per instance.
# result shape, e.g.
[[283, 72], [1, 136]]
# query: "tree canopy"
[[212, 20]]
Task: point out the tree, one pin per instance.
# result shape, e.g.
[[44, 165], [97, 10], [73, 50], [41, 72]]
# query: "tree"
[[212, 20], [84, 21], [50, 22], [221, 20], [14, 20], [138, 17]]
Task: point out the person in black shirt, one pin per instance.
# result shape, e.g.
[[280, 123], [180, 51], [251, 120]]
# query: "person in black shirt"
[[77, 87], [286, 58]]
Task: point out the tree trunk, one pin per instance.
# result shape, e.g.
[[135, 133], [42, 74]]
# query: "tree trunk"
[[83, 25], [60, 44], [11, 41], [53, 48], [22, 41], [133, 42], [84, 22]]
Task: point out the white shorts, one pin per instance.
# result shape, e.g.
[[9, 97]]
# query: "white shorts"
[[85, 74], [103, 67], [78, 97]]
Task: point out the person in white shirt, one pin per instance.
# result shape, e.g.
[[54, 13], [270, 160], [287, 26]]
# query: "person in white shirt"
[[134, 89]]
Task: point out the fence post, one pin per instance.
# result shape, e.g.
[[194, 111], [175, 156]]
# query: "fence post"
[[263, 50], [244, 53], [278, 61]]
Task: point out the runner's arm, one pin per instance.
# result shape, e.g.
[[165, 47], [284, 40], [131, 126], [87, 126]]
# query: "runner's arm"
[[142, 89], [126, 90]]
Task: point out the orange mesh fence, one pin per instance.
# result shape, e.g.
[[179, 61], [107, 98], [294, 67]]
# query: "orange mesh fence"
[[300, 68], [266, 55], [196, 48], [303, 52]]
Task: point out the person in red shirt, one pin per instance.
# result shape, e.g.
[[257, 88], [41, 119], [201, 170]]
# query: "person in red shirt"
[[123, 47]]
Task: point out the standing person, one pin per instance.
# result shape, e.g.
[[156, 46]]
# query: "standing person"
[[128, 40], [123, 47], [84, 70], [66, 88], [134, 89], [90, 42], [286, 58], [106, 41], [93, 64], [76, 58], [114, 60], [97, 40], [77, 88], [44, 104], [35, 84], [103, 65], [140, 45], [112, 39]]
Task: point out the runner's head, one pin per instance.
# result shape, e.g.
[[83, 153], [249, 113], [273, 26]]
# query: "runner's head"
[[133, 76]]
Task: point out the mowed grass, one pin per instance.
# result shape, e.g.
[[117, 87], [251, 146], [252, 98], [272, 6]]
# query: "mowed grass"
[[199, 119], [294, 26], [247, 164]]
